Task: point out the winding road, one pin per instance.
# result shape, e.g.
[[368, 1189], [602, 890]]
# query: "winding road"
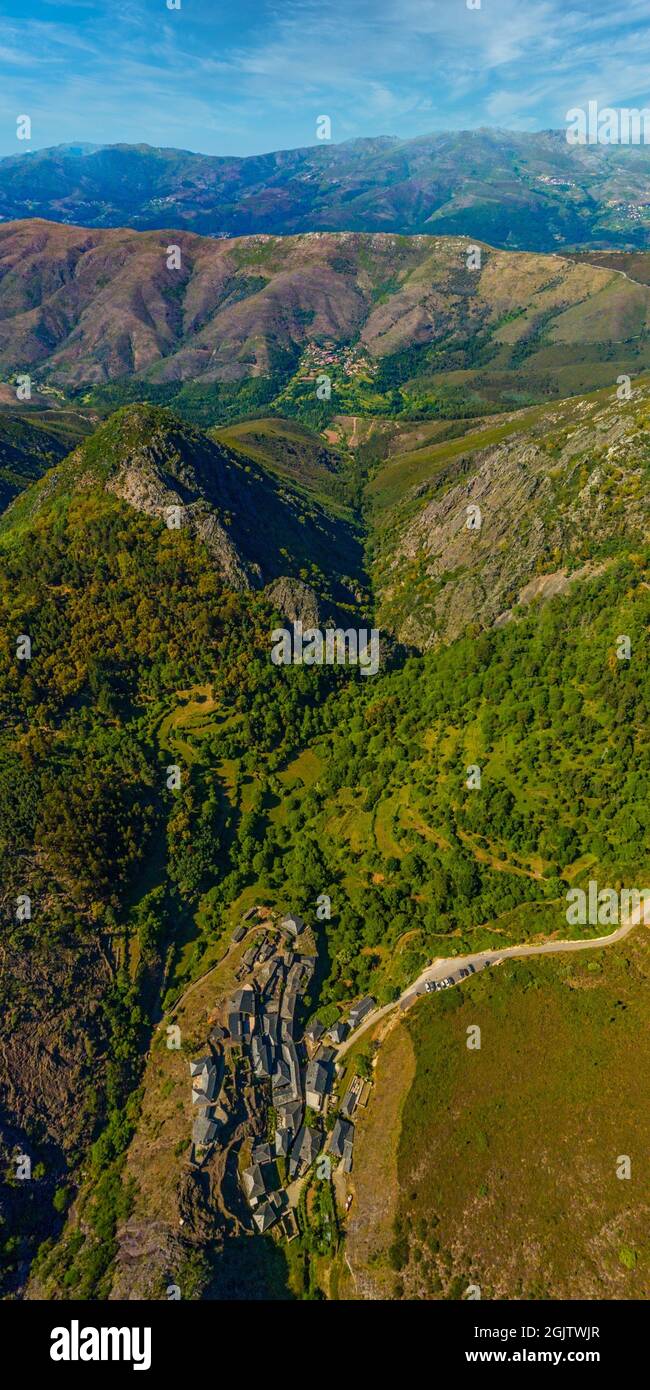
[[450, 968], [442, 969]]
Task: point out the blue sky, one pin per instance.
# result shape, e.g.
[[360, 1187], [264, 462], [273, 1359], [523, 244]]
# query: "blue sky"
[[245, 76]]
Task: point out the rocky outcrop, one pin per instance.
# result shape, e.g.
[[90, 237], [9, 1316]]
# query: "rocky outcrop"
[[139, 484], [295, 600], [515, 522], [255, 526], [52, 1068]]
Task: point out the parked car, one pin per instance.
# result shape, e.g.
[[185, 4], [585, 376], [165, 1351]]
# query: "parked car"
[[449, 981]]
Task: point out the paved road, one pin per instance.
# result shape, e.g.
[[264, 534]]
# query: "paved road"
[[443, 969]]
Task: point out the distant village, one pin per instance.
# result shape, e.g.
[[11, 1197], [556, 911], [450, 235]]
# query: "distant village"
[[353, 361], [297, 1110], [634, 212]]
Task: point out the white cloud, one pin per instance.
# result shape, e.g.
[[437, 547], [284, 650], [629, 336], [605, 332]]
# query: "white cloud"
[[255, 75]]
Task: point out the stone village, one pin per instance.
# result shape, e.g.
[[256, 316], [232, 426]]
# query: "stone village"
[[289, 1076]]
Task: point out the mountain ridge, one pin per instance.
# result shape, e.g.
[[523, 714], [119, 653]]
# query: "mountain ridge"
[[257, 529], [251, 320], [527, 190]]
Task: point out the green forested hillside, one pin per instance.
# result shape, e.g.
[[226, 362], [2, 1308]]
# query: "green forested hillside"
[[255, 525], [122, 614], [27, 450], [415, 861], [294, 782]]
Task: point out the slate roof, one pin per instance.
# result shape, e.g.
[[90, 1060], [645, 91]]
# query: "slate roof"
[[290, 1057], [295, 976], [243, 1001], [282, 1142], [204, 1080], [365, 1006], [202, 1099], [262, 1154], [261, 1056], [342, 1131], [264, 1216], [235, 1027], [289, 1001], [270, 1025], [351, 1097], [306, 1148], [203, 1130], [316, 1084], [314, 1030], [347, 1156], [253, 1182], [200, 1063], [292, 923], [289, 1115], [267, 975], [280, 1076]]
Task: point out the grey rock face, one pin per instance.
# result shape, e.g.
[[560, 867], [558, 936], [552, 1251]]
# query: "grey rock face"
[[142, 487], [295, 600]]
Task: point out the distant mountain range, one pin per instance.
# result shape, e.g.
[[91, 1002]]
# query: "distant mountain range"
[[521, 190]]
